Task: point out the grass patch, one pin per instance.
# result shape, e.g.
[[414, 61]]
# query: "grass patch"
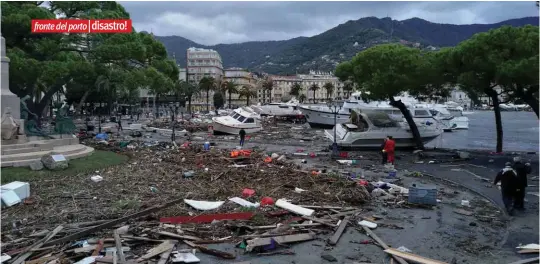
[[98, 160]]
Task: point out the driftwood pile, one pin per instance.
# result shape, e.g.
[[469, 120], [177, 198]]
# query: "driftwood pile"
[[71, 217]]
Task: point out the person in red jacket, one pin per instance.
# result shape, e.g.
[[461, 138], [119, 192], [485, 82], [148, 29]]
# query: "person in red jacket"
[[389, 149]]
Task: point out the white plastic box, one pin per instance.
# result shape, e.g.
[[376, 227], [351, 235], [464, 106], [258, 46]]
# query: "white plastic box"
[[22, 189]]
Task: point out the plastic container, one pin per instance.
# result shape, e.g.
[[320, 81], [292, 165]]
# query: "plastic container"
[[392, 174], [206, 146], [422, 194]]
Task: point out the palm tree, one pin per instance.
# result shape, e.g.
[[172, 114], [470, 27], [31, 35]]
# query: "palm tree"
[[314, 87], [189, 90], [207, 84], [302, 98], [247, 92], [267, 87], [295, 90], [329, 87], [230, 88], [347, 88]]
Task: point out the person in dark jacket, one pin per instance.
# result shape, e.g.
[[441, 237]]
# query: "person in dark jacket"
[[521, 170], [508, 178], [242, 136], [383, 153]]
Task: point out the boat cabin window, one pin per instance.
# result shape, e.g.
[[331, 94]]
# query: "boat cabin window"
[[283, 106], [234, 115], [455, 112], [241, 118], [421, 112], [295, 108], [433, 112], [249, 120]]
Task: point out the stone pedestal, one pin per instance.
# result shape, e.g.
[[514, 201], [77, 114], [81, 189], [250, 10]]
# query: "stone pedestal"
[[8, 98]]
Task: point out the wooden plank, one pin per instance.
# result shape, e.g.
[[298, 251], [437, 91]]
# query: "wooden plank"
[[25, 254], [412, 257], [206, 218], [211, 251], [118, 243], [529, 251], [41, 260], [318, 220], [182, 237], [463, 212], [164, 257], [112, 223], [334, 239], [165, 246], [257, 242], [383, 245], [142, 239], [527, 261]]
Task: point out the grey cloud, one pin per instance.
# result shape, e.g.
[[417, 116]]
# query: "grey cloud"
[[231, 22]]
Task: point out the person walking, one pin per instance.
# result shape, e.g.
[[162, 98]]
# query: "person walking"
[[242, 136], [383, 153], [521, 171], [508, 178], [389, 149], [120, 123]]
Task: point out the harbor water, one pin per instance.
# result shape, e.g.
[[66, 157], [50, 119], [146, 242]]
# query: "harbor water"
[[520, 133]]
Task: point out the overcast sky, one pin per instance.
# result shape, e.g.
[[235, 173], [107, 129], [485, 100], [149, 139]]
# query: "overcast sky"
[[212, 23]]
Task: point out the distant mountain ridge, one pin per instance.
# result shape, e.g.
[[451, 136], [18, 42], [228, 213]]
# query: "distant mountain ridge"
[[324, 51]]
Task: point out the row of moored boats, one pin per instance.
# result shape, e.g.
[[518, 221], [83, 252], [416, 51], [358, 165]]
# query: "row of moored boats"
[[359, 124]]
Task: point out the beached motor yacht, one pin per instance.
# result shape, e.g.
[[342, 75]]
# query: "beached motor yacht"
[[278, 109], [367, 129], [450, 116], [239, 118], [321, 116]]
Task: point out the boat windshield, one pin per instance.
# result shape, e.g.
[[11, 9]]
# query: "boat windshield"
[[380, 119], [455, 112], [241, 119]]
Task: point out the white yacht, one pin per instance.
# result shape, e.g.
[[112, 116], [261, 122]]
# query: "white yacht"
[[278, 109], [367, 129], [321, 116], [450, 116], [239, 118]]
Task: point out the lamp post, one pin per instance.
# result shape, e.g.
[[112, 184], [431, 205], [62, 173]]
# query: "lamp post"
[[174, 110], [334, 107]]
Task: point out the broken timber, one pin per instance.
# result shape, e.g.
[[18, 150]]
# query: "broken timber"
[[112, 223], [27, 253], [163, 247], [383, 245], [527, 261], [412, 257], [173, 235], [211, 251], [118, 244], [251, 244], [205, 218], [334, 239]]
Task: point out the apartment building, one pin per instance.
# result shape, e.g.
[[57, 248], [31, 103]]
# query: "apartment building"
[[241, 78], [282, 86], [203, 63]]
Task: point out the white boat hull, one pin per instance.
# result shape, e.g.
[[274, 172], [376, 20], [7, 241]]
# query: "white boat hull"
[[232, 129], [461, 122], [323, 119], [374, 138]]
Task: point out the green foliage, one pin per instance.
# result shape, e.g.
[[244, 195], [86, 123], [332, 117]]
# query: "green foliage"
[[43, 63], [230, 88], [219, 100], [247, 92], [296, 89], [314, 88], [329, 87]]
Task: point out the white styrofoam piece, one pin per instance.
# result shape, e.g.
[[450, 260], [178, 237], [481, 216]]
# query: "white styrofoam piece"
[[185, 258], [4, 257], [294, 208], [22, 189], [243, 202], [529, 246], [368, 224], [204, 205], [9, 198]]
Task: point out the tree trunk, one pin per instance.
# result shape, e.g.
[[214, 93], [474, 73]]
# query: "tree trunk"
[[247, 100], [156, 105], [313, 96], [412, 125], [230, 106], [208, 101], [189, 105], [82, 102], [498, 121], [533, 103]]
